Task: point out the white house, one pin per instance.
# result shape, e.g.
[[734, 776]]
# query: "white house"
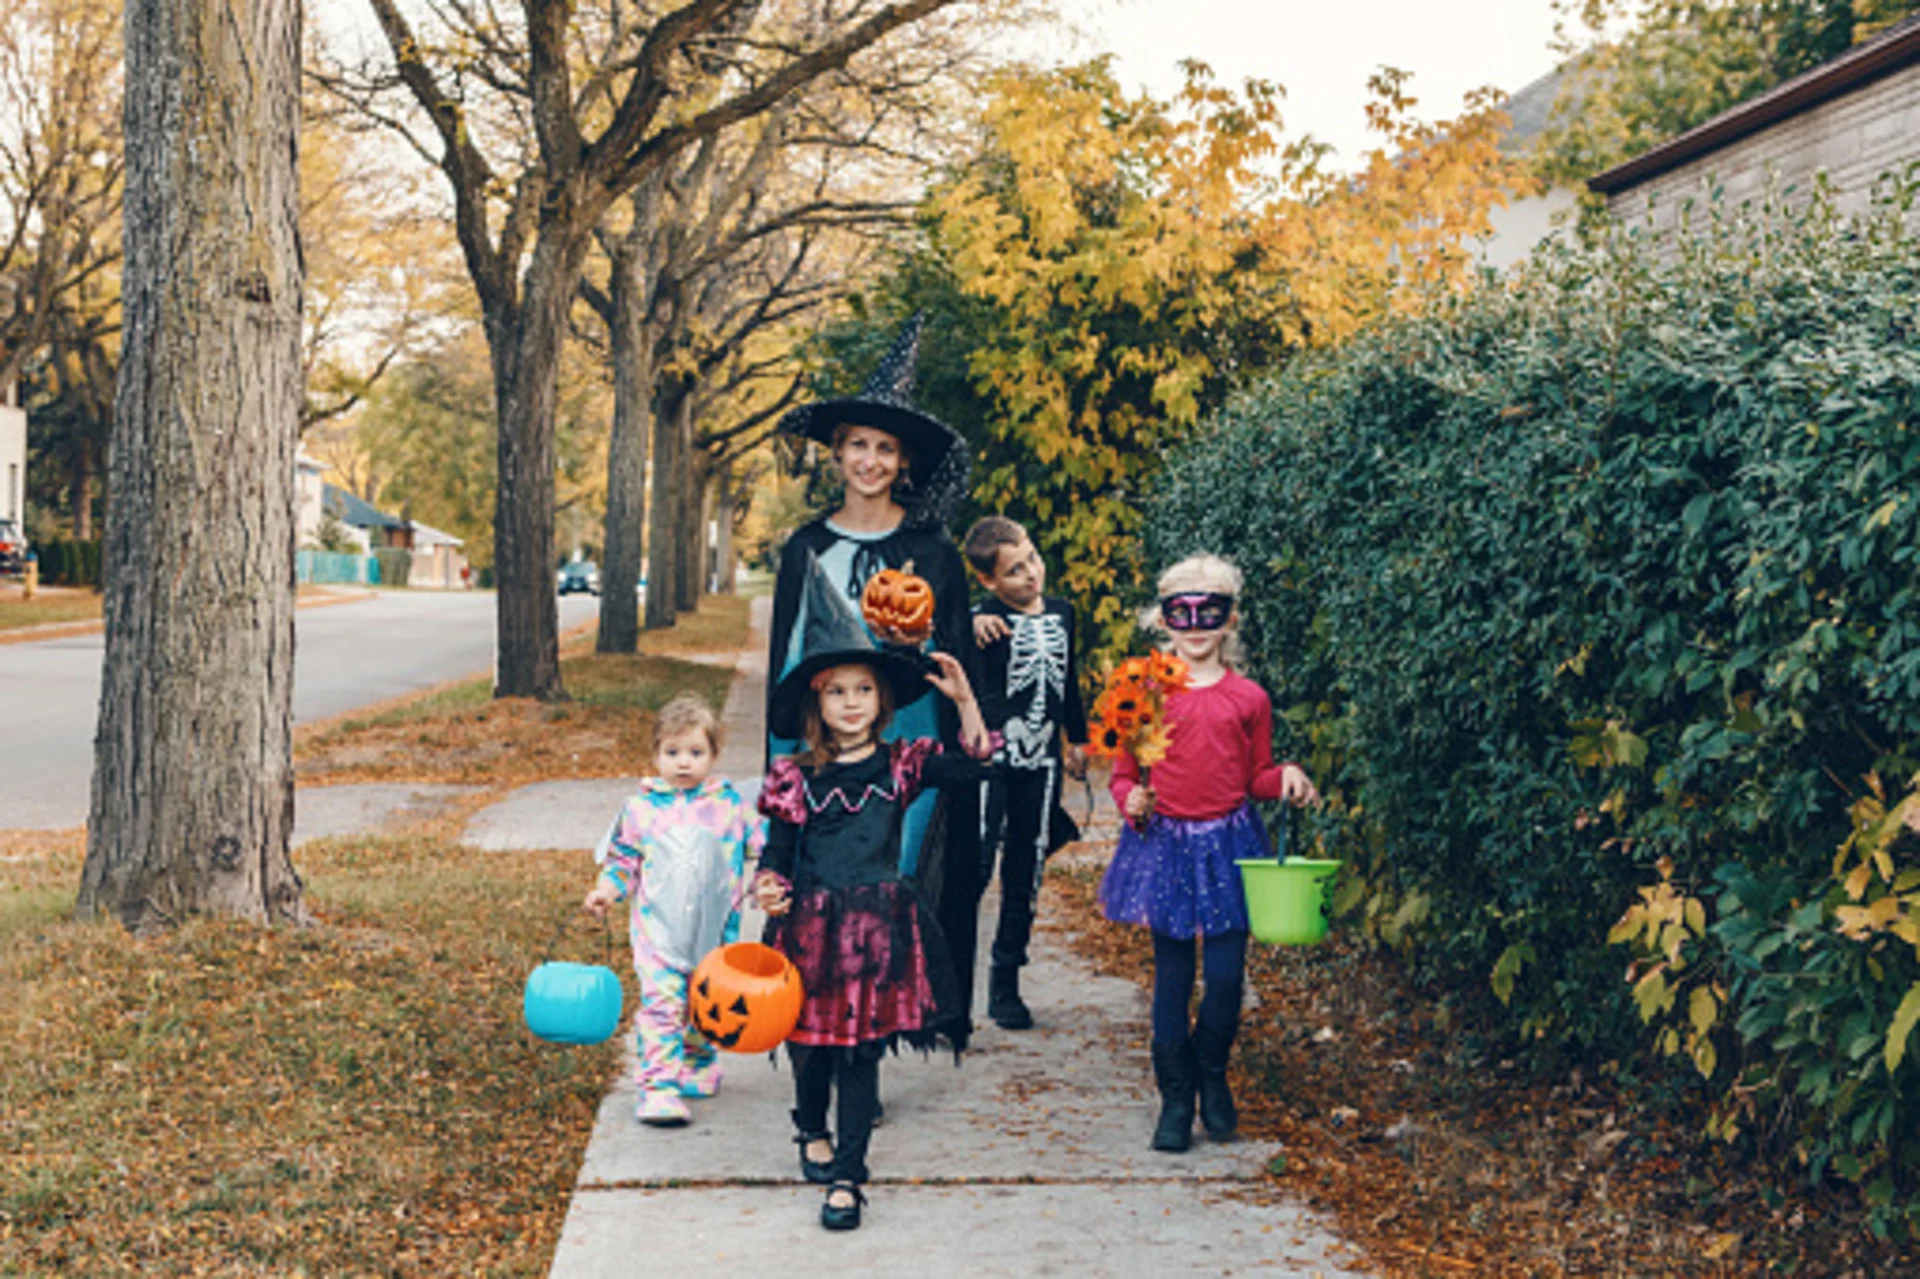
[[13, 456], [437, 557], [308, 489], [1522, 224]]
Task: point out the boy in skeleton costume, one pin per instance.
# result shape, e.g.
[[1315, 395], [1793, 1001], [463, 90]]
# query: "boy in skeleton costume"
[[679, 850], [1029, 693]]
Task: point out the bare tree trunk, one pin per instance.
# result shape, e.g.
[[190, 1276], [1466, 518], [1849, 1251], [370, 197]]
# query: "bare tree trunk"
[[672, 393], [724, 498], [624, 537], [525, 346], [192, 801], [690, 581], [80, 496]]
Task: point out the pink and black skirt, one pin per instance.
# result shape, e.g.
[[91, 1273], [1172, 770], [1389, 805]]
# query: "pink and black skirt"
[[874, 967]]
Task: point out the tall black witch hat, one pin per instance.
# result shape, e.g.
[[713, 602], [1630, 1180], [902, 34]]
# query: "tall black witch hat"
[[937, 457], [832, 634]]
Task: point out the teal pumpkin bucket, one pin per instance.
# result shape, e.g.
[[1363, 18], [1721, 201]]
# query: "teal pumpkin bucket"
[[572, 1003], [1288, 902]]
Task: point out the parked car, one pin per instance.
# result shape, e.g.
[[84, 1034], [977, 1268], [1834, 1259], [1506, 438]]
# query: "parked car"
[[13, 547], [581, 575]]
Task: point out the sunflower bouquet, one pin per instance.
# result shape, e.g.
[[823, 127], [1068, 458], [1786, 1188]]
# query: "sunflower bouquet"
[[1130, 714]]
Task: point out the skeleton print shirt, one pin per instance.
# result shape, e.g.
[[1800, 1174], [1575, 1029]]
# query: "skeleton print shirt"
[[1029, 685]]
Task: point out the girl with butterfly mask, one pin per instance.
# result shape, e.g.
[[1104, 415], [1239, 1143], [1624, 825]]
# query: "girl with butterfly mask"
[[1174, 870]]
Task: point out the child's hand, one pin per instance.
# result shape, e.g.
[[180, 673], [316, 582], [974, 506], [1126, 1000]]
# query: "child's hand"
[[1077, 763], [1296, 787], [598, 900], [771, 893], [1139, 804], [952, 679], [989, 628]]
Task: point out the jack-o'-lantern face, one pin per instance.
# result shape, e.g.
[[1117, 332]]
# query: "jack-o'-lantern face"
[[896, 603], [745, 997]]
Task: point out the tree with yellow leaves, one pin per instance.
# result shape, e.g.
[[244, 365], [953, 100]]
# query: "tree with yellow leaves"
[[1136, 256]]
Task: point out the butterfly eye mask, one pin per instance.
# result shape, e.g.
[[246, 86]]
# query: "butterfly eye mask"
[[1197, 611]]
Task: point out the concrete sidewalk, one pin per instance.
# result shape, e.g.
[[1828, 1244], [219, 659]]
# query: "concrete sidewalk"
[[1029, 1159]]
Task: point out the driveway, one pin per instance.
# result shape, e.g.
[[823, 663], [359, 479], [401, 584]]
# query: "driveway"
[[346, 656]]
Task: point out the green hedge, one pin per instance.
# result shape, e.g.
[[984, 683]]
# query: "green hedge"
[[396, 565], [69, 562], [1611, 566]]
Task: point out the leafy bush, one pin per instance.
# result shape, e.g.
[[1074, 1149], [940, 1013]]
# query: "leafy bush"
[[396, 565], [1610, 567], [66, 561]]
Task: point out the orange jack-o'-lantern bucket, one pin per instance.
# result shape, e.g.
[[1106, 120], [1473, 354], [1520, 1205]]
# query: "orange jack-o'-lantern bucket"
[[746, 997]]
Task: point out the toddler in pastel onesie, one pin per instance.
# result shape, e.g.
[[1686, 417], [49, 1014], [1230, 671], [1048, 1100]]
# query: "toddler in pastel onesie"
[[679, 850]]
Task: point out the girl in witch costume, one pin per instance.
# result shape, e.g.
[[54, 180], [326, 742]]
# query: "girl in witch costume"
[[871, 961], [901, 471], [1174, 868]]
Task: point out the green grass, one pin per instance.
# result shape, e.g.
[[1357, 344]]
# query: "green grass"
[[47, 609]]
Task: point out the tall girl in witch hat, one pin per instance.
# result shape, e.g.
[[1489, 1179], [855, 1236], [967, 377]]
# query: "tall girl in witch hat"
[[871, 960], [901, 472], [1174, 868]]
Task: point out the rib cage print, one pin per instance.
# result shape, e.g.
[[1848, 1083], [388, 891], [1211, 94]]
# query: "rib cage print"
[[1037, 670]]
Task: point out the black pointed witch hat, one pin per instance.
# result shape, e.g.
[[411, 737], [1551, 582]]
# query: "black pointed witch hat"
[[832, 634], [937, 457]]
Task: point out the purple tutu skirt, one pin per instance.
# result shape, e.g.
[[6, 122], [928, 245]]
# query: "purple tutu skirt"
[[1178, 877]]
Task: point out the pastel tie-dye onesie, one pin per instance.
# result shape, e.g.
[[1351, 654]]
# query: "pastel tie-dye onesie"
[[681, 856]]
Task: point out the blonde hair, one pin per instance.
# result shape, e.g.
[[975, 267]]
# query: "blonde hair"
[[1195, 575], [683, 713], [819, 749]]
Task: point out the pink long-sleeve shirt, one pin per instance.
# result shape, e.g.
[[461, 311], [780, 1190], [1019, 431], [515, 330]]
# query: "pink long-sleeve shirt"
[[1219, 755]]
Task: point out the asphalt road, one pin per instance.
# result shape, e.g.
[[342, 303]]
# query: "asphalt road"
[[346, 655]]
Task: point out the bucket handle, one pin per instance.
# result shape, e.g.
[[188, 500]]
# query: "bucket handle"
[[1289, 832], [545, 953]]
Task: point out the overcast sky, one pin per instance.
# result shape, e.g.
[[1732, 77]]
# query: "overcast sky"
[[1323, 52]]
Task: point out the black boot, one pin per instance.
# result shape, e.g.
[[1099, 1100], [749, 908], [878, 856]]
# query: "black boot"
[[1175, 1070], [1004, 1005], [1217, 1114]]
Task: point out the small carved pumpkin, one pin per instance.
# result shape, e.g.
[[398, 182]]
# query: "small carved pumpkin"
[[898, 604], [745, 998], [572, 1003]]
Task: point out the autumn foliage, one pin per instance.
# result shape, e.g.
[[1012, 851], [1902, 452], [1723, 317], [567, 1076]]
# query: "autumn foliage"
[[1134, 256]]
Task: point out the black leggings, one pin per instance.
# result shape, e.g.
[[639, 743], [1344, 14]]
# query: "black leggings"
[[855, 1074], [1028, 799], [1223, 962]]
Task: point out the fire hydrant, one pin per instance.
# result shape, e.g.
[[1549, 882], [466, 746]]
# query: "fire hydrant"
[[32, 580]]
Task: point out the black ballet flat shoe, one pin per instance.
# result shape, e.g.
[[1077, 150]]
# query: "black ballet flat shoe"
[[842, 1217], [816, 1172]]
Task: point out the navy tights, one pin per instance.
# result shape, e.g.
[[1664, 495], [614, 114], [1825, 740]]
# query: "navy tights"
[[1223, 965]]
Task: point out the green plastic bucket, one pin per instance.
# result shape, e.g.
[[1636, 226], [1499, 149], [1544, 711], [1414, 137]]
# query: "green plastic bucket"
[[1290, 902]]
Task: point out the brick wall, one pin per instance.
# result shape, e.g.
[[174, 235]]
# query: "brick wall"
[[1853, 138]]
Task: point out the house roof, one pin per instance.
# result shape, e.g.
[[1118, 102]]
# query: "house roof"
[[428, 535], [1530, 110], [353, 512], [1896, 47]]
